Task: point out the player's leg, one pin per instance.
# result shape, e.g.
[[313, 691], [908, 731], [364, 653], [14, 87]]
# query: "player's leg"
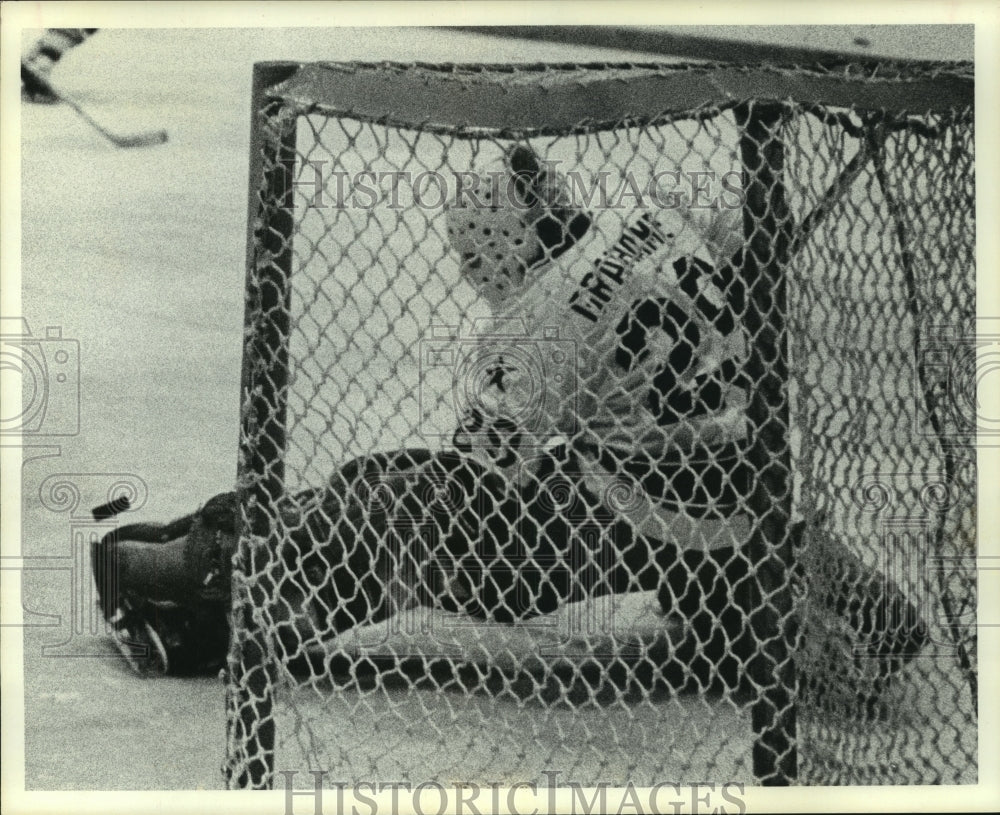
[[569, 522], [704, 590], [462, 533], [522, 551], [505, 554], [165, 588], [38, 62], [876, 628], [341, 566], [480, 545], [858, 627]]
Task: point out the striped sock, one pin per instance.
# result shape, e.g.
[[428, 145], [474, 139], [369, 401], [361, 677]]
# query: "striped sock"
[[41, 58], [49, 49]]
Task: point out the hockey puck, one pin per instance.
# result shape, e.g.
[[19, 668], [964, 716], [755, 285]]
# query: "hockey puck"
[[113, 507]]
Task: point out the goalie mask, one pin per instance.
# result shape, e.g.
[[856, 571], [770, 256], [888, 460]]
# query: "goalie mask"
[[517, 222]]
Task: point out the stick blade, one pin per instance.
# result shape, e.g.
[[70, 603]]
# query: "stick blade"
[[141, 139]]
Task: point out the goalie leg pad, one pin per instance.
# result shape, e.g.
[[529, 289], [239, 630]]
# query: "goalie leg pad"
[[164, 589], [858, 627], [484, 547]]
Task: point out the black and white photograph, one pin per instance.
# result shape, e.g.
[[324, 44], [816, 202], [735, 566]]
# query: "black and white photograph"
[[413, 408]]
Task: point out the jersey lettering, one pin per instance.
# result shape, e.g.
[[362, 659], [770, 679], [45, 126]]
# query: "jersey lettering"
[[658, 352], [595, 289]]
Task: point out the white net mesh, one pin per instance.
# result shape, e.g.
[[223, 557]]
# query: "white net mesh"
[[692, 500]]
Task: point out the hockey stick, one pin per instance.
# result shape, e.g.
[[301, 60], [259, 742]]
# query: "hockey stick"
[[142, 139]]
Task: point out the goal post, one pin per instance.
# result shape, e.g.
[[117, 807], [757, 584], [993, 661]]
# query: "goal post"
[[767, 229], [357, 652], [249, 710]]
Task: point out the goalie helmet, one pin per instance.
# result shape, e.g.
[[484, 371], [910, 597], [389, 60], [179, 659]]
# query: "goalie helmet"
[[520, 221]]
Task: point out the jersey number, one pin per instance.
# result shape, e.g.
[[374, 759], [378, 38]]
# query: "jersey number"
[[674, 393]]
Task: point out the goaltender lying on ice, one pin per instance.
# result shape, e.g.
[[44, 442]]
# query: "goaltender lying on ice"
[[495, 532]]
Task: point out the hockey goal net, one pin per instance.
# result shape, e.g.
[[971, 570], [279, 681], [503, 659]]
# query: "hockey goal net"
[[370, 648]]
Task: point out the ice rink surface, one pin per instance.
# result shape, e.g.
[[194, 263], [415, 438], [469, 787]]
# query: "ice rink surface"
[[139, 257]]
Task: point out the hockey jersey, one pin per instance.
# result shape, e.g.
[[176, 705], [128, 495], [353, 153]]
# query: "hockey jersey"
[[625, 345]]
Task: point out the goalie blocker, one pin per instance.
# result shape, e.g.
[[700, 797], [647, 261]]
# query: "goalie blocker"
[[165, 588]]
